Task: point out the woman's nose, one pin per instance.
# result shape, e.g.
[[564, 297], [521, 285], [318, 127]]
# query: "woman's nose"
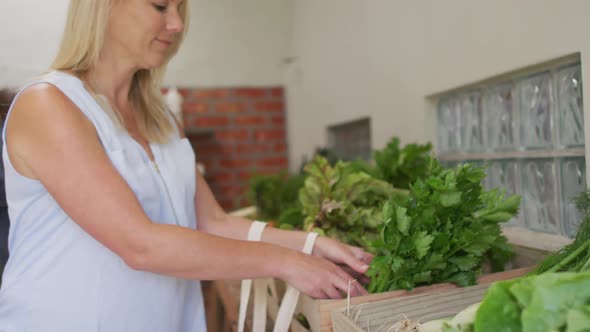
[[175, 22]]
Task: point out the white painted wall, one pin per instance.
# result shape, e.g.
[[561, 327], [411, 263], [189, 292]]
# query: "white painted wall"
[[31, 31], [230, 42], [234, 43], [380, 58], [353, 58]]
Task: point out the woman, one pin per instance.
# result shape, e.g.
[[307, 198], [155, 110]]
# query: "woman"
[[111, 226]]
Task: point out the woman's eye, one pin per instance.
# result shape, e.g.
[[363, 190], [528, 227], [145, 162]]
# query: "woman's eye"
[[160, 8]]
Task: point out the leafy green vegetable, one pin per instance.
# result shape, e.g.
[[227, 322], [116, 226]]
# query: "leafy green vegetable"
[[273, 195], [578, 319], [343, 203], [545, 300], [575, 256], [447, 328], [362, 166], [303, 320], [402, 166], [463, 321], [549, 302], [553, 295], [443, 233], [291, 219], [327, 153], [436, 325], [499, 311]]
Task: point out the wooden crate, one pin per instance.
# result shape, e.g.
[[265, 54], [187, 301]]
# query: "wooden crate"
[[318, 312], [530, 248], [378, 315]]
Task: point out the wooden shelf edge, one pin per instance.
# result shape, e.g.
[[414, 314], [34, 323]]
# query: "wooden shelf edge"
[[526, 238]]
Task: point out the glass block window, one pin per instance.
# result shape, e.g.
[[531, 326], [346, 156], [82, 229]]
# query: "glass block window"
[[351, 140], [528, 129], [500, 125]]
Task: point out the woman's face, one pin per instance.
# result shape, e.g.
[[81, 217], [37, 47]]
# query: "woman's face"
[[143, 31]]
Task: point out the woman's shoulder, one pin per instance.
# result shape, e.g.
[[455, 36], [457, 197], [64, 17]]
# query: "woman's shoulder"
[[55, 88], [42, 119], [40, 95], [44, 103]]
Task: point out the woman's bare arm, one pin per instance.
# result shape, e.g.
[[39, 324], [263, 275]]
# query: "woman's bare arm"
[[213, 219], [49, 139]]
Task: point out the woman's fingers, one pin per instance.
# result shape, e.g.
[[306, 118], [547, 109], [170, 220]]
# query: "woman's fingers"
[[336, 284], [350, 284], [361, 289], [320, 278], [332, 293], [361, 278], [357, 289], [367, 257], [356, 258], [353, 257], [362, 255]]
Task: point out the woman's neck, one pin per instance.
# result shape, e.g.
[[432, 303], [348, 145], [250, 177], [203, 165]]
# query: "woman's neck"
[[111, 79]]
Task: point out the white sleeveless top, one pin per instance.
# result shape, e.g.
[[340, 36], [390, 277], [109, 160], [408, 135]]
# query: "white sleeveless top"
[[59, 278]]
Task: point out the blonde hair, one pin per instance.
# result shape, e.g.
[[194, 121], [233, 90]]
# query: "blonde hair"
[[81, 43]]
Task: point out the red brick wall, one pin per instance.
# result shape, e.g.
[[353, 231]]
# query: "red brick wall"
[[247, 136]]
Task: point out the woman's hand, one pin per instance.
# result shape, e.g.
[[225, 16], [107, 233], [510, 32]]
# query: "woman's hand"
[[355, 261], [318, 277]]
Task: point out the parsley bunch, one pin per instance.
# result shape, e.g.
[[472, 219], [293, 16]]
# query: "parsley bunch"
[[444, 232], [402, 166]]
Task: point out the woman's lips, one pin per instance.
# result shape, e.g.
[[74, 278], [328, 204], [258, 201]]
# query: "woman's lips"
[[164, 42]]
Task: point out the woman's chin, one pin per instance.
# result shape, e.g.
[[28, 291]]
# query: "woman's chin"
[[154, 62]]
